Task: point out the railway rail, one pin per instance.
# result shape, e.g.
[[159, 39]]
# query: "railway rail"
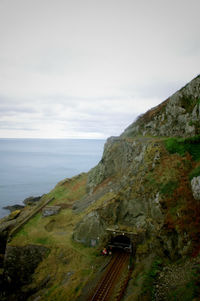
[[108, 282]]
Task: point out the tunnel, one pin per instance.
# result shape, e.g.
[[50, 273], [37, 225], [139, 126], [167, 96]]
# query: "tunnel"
[[121, 242]]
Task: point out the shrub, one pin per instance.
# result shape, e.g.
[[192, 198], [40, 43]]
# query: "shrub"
[[151, 276], [183, 145], [195, 172], [168, 188], [173, 146]]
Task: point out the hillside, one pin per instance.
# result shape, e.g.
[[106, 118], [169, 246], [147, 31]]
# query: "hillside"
[[148, 184]]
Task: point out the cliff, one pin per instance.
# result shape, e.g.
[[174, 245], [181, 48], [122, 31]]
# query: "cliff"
[[178, 116], [147, 183]]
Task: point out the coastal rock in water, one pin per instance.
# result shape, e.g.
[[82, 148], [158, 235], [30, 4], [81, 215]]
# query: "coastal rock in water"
[[32, 200], [50, 210], [195, 183], [14, 207]]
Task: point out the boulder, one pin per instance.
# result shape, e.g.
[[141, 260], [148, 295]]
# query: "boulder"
[[14, 207], [195, 183], [14, 214], [7, 225], [32, 200], [50, 210], [89, 230]]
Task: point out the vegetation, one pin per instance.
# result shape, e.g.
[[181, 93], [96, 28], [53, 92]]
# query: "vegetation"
[[188, 103], [169, 187], [69, 265], [195, 172], [150, 278], [186, 292], [183, 145]]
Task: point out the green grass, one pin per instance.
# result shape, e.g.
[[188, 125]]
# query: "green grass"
[[42, 240], [151, 276], [168, 188], [183, 145], [194, 173]]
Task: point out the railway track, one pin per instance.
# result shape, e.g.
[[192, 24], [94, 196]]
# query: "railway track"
[[109, 280]]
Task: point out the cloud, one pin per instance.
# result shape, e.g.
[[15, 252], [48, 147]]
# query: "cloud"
[[88, 68]]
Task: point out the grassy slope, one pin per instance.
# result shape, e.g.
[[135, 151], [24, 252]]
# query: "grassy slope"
[[69, 264]]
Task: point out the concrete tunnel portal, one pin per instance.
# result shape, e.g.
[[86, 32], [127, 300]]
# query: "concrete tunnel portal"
[[120, 240]]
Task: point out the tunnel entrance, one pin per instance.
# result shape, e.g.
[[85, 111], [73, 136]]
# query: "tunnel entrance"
[[120, 242]]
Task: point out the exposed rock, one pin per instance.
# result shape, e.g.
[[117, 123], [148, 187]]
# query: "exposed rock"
[[7, 225], [90, 229], [195, 183], [125, 161], [32, 200], [5, 228], [20, 263], [14, 214], [175, 279], [179, 115], [50, 210], [128, 163], [13, 207], [119, 156]]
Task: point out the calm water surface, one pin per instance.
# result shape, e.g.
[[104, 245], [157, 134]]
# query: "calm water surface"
[[32, 167]]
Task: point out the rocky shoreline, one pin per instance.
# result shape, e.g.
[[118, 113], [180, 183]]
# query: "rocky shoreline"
[[28, 201]]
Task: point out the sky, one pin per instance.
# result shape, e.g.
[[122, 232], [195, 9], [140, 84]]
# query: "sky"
[[88, 68]]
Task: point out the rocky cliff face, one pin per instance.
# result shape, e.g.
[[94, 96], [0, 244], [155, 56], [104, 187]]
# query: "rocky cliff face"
[[139, 178], [149, 184], [177, 116]]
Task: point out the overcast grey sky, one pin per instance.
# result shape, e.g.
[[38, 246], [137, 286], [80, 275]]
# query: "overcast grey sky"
[[87, 68]]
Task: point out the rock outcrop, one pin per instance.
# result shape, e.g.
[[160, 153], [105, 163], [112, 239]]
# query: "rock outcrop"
[[13, 207], [177, 116], [32, 200], [20, 263], [196, 187], [50, 210], [143, 176]]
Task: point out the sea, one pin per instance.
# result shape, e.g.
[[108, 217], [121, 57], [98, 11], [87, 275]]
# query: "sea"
[[32, 167]]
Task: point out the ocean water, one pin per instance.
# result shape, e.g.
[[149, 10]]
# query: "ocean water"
[[32, 167]]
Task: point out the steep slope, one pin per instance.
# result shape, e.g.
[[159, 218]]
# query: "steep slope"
[[147, 183]]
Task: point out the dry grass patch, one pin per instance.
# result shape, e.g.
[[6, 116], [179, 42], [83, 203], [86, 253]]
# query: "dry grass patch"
[[68, 266]]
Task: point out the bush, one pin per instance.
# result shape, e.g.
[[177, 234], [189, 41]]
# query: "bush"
[[168, 188], [183, 145], [194, 173], [173, 146], [151, 276]]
